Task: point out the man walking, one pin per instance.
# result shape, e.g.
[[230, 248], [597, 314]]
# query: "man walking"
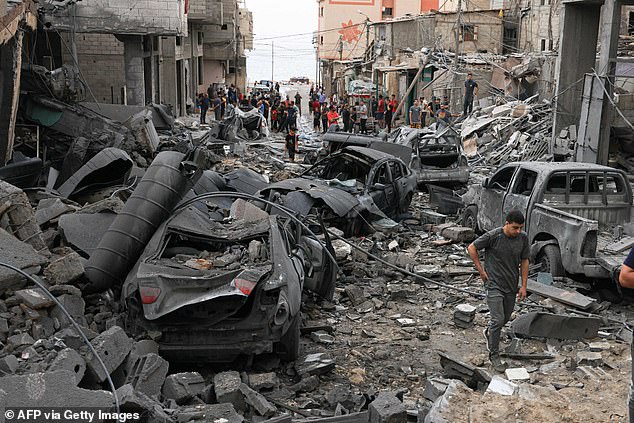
[[506, 251], [626, 280], [204, 106], [470, 89], [414, 115], [363, 117]]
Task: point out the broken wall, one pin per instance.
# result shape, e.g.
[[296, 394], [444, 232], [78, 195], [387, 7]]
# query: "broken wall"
[[100, 58], [159, 17], [539, 26], [487, 27]]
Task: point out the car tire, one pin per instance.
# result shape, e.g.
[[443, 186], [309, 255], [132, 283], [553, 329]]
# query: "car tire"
[[550, 259], [288, 349], [470, 218]]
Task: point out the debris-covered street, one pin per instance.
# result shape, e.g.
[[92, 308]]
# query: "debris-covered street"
[[199, 222]]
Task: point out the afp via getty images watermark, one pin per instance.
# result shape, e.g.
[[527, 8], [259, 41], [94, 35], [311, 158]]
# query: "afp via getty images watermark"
[[60, 414]]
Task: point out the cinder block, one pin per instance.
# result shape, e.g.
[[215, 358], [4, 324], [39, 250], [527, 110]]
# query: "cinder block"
[[386, 408], [113, 347], [183, 386], [227, 387]]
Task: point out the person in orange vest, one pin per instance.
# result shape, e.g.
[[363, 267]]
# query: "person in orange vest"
[[333, 116]]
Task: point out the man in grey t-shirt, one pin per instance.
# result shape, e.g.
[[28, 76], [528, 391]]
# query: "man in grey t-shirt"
[[506, 251]]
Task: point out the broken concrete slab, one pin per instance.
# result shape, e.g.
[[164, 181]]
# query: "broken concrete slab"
[[84, 231], [386, 408], [69, 359], [572, 298], [19, 218], [52, 389], [181, 387], [314, 364], [257, 401], [113, 347], [132, 401], [435, 387], [444, 403], [589, 358], [49, 209], [501, 386], [20, 340], [260, 381], [8, 365], [65, 269], [517, 374], [147, 373], [548, 325], [35, 298], [227, 388], [457, 369], [18, 254], [74, 305]]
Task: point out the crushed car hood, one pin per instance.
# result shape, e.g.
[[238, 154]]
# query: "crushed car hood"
[[341, 202]]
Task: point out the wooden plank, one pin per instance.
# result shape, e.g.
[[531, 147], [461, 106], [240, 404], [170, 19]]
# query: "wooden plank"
[[622, 245], [362, 417], [572, 298]]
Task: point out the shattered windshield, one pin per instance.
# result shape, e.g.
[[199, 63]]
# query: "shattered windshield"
[[341, 168]]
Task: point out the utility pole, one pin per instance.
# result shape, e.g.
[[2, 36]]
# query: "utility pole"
[[272, 60], [455, 90], [235, 64], [340, 47]]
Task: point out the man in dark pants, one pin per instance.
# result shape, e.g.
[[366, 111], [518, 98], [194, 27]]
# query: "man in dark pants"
[[470, 90], [507, 251], [626, 280]]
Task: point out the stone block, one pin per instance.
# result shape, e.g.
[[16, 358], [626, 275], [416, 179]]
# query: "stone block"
[[259, 381], [430, 216], [517, 374], [435, 387], [147, 373], [69, 359], [589, 358], [43, 328], [35, 298], [64, 270], [501, 386], [257, 401], [52, 389], [132, 401], [314, 364], [8, 364], [458, 233], [386, 408], [227, 388], [113, 347], [181, 387], [74, 305], [20, 340]]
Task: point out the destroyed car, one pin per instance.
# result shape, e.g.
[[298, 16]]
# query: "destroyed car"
[[217, 288], [437, 157], [349, 189], [566, 206]]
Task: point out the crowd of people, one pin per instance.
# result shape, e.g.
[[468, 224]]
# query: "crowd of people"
[[217, 101]]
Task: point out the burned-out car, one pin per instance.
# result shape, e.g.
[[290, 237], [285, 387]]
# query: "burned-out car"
[[217, 288], [349, 188], [437, 157]]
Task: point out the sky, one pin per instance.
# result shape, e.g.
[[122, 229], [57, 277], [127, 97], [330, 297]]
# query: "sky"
[[277, 22]]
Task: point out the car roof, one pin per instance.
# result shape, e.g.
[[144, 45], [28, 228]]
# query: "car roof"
[[550, 167], [369, 153]]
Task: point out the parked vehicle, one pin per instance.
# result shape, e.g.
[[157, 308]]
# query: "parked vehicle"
[[349, 188], [566, 205], [216, 288]]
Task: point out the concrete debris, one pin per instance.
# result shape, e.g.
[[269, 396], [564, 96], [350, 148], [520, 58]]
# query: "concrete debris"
[[181, 387], [227, 387], [257, 401], [113, 347], [65, 270], [69, 359], [147, 373], [548, 325], [386, 408], [314, 364], [463, 315], [517, 374], [501, 386]]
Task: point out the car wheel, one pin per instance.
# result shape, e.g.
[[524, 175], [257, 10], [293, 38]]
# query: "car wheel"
[[289, 346], [549, 259], [470, 218]]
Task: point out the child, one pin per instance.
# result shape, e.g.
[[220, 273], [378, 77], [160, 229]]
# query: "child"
[[291, 143]]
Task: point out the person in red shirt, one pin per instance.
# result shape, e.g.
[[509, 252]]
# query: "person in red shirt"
[[333, 116], [389, 114], [380, 112]]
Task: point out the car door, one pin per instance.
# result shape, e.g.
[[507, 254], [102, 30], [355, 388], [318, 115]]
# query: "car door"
[[381, 189], [490, 210], [321, 275], [400, 183], [519, 196]]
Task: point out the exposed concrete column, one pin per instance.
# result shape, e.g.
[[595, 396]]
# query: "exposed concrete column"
[[134, 75], [577, 53], [10, 67], [609, 38], [168, 73]]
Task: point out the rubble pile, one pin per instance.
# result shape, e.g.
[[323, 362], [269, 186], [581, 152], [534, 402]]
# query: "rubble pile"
[[514, 131]]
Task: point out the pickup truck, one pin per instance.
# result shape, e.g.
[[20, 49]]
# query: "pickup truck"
[[566, 205]]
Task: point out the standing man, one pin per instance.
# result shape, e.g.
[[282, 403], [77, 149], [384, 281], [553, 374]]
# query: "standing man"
[[345, 114], [626, 280], [324, 117], [363, 117], [470, 90], [380, 112], [506, 251], [291, 144], [204, 105], [391, 109], [414, 115], [298, 102], [333, 116]]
